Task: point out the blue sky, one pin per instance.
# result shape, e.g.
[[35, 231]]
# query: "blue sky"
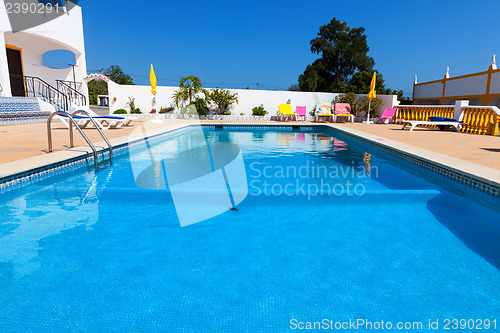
[[234, 44]]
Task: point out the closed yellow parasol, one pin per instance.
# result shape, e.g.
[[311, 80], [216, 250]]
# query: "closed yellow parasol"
[[371, 94], [152, 80]]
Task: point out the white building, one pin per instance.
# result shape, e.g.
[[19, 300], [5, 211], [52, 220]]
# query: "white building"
[[22, 70]]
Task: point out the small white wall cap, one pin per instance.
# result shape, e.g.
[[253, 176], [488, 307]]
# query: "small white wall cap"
[[96, 76]]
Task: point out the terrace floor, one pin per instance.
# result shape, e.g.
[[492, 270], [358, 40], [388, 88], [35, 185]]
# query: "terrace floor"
[[25, 141]]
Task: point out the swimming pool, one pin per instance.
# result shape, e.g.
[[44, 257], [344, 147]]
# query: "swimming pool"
[[342, 231]]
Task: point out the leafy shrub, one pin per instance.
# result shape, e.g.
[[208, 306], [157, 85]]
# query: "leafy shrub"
[[189, 110], [167, 109], [131, 104], [96, 87], [92, 97], [189, 88], [120, 111], [223, 100], [346, 98], [362, 105], [201, 106], [259, 111]]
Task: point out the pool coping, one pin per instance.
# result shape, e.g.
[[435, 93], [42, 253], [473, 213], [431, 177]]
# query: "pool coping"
[[481, 177], [470, 169], [17, 172]]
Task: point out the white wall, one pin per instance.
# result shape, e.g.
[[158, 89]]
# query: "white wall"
[[142, 95], [4, 70], [33, 47], [247, 99], [62, 33]]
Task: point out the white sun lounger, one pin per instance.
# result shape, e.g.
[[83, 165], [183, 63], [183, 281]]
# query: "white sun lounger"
[[457, 124], [125, 122], [104, 122]]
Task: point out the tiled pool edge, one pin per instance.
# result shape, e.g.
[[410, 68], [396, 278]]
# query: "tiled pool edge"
[[433, 161], [482, 178], [65, 161]]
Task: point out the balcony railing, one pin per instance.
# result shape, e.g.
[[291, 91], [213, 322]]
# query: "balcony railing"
[[478, 119], [36, 87], [481, 120], [73, 91]]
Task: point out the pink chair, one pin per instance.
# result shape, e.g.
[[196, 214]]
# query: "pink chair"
[[300, 111], [343, 110], [386, 117]]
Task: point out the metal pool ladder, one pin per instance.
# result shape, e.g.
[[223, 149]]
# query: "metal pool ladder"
[[71, 143]]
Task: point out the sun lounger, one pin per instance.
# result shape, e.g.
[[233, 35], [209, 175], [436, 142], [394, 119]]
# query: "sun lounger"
[[441, 122], [323, 110], [386, 117], [300, 111], [104, 122], [127, 118], [285, 112], [343, 110]]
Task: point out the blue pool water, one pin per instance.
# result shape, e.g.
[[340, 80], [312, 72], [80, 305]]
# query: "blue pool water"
[[94, 252]]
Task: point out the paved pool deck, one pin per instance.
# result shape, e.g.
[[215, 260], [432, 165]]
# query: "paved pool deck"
[[25, 146]]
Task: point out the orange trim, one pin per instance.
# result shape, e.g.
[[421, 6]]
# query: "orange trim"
[[486, 97], [489, 71], [488, 83], [9, 46]]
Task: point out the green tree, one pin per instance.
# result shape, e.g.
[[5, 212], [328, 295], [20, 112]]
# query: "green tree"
[[96, 87], [360, 83], [343, 51], [188, 93], [192, 85], [116, 74], [189, 87]]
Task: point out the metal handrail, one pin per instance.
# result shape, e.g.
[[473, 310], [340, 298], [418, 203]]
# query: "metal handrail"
[[74, 95], [71, 143], [98, 128], [77, 85], [45, 91]]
